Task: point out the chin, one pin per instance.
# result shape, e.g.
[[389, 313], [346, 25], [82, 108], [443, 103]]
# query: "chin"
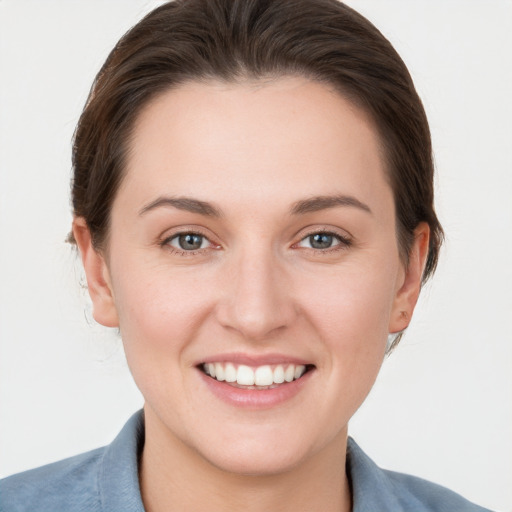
[[262, 450], [255, 462]]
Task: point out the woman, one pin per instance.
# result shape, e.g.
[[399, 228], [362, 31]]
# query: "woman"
[[253, 205]]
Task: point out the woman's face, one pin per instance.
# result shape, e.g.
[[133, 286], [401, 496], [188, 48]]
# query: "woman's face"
[[254, 237]]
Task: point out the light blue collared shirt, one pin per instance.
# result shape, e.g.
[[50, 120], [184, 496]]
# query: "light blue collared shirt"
[[106, 480]]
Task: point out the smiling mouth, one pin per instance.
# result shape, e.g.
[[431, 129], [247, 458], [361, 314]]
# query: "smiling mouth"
[[260, 377]]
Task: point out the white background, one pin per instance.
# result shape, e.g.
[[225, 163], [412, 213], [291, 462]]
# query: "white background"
[[442, 407]]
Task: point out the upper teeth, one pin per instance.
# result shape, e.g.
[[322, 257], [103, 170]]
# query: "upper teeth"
[[260, 376]]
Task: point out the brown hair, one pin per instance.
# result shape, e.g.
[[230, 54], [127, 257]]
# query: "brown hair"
[[232, 40]]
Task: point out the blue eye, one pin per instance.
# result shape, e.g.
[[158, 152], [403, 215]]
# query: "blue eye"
[[322, 241], [189, 241]]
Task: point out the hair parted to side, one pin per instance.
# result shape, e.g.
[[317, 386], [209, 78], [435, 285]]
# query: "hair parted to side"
[[237, 40]]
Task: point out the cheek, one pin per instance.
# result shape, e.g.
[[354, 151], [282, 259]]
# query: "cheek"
[[351, 316], [160, 310], [351, 307]]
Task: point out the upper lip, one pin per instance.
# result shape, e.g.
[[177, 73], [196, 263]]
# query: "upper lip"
[[253, 359]]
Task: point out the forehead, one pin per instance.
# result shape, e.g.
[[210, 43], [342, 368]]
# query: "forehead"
[[280, 138]]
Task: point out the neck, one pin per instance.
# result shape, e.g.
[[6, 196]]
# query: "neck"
[[173, 476]]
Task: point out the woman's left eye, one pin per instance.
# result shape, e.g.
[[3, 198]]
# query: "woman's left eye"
[[322, 241], [189, 242]]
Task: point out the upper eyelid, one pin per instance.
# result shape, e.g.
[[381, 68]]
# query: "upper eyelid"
[[324, 232], [169, 234], [181, 233], [343, 234]]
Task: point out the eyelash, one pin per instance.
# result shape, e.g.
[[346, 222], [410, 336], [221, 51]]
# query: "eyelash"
[[343, 243], [166, 243]]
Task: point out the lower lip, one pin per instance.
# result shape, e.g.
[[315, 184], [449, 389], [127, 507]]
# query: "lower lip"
[[255, 398]]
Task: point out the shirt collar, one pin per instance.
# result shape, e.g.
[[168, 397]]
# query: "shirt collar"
[[119, 480], [371, 491], [119, 476]]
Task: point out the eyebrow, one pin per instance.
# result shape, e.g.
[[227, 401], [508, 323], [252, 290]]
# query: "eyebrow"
[[310, 205], [183, 203], [317, 203]]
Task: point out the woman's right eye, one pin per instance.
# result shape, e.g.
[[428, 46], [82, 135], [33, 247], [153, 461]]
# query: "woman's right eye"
[[189, 242]]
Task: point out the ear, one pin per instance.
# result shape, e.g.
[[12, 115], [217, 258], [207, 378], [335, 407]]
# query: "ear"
[[98, 276], [410, 283]]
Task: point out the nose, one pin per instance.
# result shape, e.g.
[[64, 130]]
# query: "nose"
[[257, 299]]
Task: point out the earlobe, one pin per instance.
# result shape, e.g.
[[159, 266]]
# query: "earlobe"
[[97, 274], [409, 289]]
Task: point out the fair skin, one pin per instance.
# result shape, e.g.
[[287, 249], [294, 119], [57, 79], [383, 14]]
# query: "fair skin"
[[292, 262]]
